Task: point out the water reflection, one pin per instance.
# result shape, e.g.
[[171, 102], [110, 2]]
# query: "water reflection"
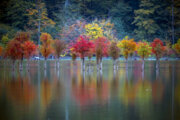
[[69, 93], [20, 90]]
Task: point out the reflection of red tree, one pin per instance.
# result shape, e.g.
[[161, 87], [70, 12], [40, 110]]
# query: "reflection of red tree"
[[102, 92], [84, 95], [157, 91], [21, 91], [87, 93]]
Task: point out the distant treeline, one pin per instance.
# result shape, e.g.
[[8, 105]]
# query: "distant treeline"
[[139, 19]]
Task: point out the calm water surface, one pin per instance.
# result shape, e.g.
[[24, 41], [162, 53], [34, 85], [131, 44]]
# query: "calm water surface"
[[69, 94]]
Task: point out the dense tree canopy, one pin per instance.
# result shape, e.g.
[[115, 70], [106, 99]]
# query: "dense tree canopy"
[[139, 19]]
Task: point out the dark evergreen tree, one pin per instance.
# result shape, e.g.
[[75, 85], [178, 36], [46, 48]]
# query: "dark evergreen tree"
[[144, 20]]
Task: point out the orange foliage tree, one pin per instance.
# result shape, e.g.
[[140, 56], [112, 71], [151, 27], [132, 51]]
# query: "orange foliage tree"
[[29, 49], [101, 49], [46, 47], [157, 49], [114, 52], [128, 46], [143, 50], [14, 51], [59, 48]]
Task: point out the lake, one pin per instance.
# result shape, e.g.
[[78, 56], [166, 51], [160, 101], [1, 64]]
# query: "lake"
[[70, 94]]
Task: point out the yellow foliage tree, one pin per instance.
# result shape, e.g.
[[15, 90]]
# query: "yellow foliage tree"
[[176, 47], [93, 30], [100, 28], [46, 47], [143, 50], [127, 46]]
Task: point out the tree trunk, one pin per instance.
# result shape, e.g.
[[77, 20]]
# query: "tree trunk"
[[82, 64], [13, 64], [58, 64], [114, 64], [172, 24], [143, 64], [100, 64], [117, 64], [97, 62], [126, 63], [45, 64], [157, 63], [20, 66], [27, 64]]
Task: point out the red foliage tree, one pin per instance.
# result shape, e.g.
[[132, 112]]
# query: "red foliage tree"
[[101, 49], [1, 49], [157, 49], [14, 51], [29, 49], [82, 46]]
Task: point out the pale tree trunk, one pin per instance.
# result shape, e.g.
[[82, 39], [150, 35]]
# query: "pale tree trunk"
[[97, 62], [172, 24], [58, 63], [45, 63], [13, 65], [27, 65], [126, 63], [117, 64], [114, 64], [157, 63], [143, 74], [20, 65], [89, 66], [143, 64], [100, 64], [4, 64], [39, 23], [82, 64]]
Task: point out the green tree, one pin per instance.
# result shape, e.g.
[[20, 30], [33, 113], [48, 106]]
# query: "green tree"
[[146, 25], [4, 41], [16, 13], [122, 18], [38, 18]]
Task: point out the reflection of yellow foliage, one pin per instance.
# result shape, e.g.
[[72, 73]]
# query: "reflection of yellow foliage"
[[128, 93], [140, 91], [46, 92], [144, 92]]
